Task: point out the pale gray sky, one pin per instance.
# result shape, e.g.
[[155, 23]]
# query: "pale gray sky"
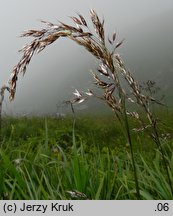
[[52, 70]]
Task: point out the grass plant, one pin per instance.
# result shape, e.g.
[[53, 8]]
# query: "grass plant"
[[97, 168], [120, 91]]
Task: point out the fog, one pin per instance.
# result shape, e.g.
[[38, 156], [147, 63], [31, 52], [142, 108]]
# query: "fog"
[[62, 67]]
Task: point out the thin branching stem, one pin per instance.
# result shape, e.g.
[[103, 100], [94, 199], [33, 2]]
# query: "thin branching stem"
[[2, 93]]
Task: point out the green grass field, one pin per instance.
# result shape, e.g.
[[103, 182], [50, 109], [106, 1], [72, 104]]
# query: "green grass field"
[[48, 158]]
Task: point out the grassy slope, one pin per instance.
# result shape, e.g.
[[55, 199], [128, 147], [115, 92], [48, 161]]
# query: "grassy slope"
[[41, 159]]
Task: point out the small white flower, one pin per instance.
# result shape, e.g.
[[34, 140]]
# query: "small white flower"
[[81, 100], [17, 161], [77, 93], [89, 93]]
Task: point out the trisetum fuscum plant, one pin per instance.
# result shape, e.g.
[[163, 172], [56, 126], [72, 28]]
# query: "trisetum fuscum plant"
[[114, 74]]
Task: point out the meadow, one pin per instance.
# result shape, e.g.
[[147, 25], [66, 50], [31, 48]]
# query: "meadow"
[[51, 158]]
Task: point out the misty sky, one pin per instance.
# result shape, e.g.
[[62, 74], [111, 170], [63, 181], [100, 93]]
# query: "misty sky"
[[52, 72]]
